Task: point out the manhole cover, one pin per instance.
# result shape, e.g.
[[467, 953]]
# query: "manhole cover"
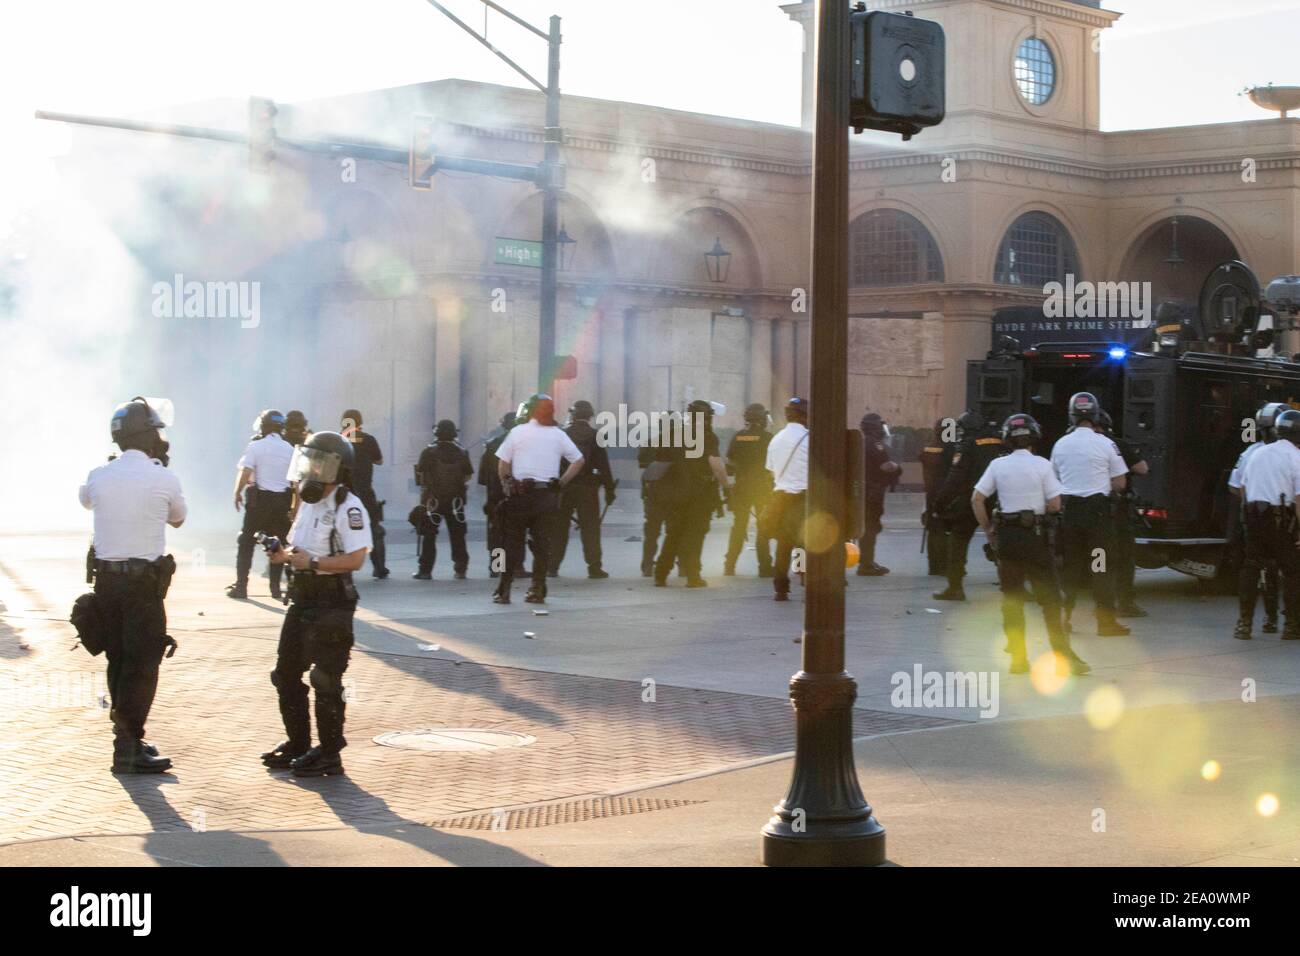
[[454, 738]]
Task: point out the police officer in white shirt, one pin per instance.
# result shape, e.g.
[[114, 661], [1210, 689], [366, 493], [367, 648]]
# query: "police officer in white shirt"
[[528, 463], [327, 543], [262, 487], [787, 460], [1089, 467], [1265, 434], [133, 497], [1270, 488], [1028, 496]]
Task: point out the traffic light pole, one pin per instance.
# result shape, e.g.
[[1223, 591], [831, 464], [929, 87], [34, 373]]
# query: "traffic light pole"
[[552, 136], [824, 820]]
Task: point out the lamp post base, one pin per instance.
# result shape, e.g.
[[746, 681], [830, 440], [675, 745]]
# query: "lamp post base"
[[824, 820]]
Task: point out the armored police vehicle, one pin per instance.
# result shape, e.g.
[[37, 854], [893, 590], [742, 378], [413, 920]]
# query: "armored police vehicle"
[[1183, 382]]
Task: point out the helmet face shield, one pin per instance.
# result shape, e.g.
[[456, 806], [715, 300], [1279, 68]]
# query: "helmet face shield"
[[164, 412], [314, 465]]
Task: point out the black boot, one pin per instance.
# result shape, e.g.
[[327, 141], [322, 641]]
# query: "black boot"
[[317, 763], [1107, 626], [953, 592], [238, 591], [129, 756], [1242, 631], [284, 754], [536, 594], [1270, 625]]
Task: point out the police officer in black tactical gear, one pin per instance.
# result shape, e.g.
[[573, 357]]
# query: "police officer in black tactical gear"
[[1020, 537], [134, 497], [582, 496], [695, 480], [936, 460], [656, 463], [262, 488], [879, 475], [980, 445], [746, 460], [443, 474], [494, 495], [366, 455], [1271, 510], [1125, 527], [528, 463], [326, 545]]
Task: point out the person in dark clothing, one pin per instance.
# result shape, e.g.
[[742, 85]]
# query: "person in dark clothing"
[[494, 494], [880, 474], [366, 455], [936, 460], [697, 480], [1125, 529], [582, 496], [746, 457], [980, 444], [655, 461], [442, 473]]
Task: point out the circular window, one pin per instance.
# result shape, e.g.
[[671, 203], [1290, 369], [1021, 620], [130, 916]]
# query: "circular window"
[[1035, 71]]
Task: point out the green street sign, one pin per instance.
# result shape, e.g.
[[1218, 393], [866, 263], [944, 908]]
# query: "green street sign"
[[518, 252]]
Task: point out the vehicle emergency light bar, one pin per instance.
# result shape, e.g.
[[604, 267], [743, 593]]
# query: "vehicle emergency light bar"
[[1079, 351]]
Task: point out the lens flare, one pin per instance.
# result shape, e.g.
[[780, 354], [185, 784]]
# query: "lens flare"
[[1267, 805], [1211, 770], [821, 532], [1045, 677], [1104, 707]]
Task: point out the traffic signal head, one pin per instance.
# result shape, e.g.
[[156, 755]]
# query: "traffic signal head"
[[897, 73]]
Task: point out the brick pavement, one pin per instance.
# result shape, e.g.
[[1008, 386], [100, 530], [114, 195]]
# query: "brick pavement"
[[216, 711]]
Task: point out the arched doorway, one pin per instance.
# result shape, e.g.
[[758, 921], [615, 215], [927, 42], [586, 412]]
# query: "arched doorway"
[[1176, 259]]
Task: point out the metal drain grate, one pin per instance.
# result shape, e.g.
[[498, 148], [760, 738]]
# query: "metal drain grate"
[[551, 814]]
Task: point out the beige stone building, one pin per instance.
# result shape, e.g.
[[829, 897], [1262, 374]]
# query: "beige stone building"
[[1017, 187]]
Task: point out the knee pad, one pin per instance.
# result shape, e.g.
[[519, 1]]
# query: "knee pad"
[[325, 682]]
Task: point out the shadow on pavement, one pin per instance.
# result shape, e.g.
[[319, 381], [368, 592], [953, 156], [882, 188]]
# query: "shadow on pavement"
[[167, 825], [367, 812]]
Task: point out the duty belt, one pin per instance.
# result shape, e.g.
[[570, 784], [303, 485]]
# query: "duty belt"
[[312, 586], [129, 566], [1018, 519]]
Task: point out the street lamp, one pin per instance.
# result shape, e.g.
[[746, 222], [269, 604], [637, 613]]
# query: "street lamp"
[[718, 261], [1175, 258], [565, 243]]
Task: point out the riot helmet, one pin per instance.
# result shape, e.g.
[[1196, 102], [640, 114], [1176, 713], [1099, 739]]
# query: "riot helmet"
[[539, 407], [508, 420], [1084, 407], [323, 459], [797, 410], [269, 421], [581, 411], [140, 425], [1105, 421], [1021, 430], [295, 427], [445, 430], [757, 416], [873, 426], [969, 422], [1266, 420], [1287, 426]]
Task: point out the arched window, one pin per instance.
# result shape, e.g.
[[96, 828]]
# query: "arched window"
[[889, 247], [1035, 251]]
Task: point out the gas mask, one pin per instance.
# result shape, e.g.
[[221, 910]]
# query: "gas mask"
[[314, 469]]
